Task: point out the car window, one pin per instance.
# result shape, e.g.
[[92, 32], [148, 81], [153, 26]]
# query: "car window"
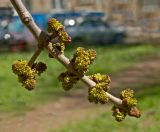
[[86, 24], [101, 23], [93, 23]]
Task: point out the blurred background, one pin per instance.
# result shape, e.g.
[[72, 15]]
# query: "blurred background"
[[126, 36]]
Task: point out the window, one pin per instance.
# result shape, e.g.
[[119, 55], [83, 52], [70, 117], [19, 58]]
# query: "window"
[[151, 5], [83, 2], [87, 24], [151, 2], [63, 3], [121, 1], [94, 23], [53, 3], [59, 4]]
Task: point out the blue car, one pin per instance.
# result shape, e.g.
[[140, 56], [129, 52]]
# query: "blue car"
[[16, 37]]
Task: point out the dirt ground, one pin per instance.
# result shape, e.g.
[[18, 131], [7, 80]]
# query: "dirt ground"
[[75, 106]]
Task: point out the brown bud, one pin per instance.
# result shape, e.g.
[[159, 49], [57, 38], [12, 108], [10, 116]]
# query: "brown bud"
[[134, 112]]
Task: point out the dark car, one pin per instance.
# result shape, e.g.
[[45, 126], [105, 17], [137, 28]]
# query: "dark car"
[[94, 31]]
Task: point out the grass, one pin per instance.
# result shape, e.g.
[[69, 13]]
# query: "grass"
[[149, 122], [110, 59], [118, 58]]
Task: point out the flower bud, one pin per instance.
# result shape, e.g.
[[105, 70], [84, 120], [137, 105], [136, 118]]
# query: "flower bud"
[[118, 113], [82, 59], [21, 67], [26, 74], [39, 67], [97, 94], [101, 80], [54, 25], [127, 93], [64, 37], [128, 99], [29, 84], [68, 80], [129, 102]]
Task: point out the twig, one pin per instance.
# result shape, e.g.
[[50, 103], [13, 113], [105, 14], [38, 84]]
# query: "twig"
[[65, 61], [42, 37], [34, 57]]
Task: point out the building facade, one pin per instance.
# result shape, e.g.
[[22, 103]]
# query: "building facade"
[[5, 3], [130, 12]]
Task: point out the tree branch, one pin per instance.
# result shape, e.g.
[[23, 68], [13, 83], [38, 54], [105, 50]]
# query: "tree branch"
[[34, 57], [42, 39]]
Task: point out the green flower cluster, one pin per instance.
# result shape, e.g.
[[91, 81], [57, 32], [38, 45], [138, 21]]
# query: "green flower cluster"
[[26, 74], [98, 93], [128, 99], [118, 113], [128, 102], [28, 82], [82, 59], [68, 80], [127, 93], [64, 37], [101, 80], [55, 26]]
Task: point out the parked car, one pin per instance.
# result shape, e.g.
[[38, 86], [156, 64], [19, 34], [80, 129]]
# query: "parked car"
[[20, 36], [22, 39], [14, 36], [6, 14], [94, 31], [5, 37]]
